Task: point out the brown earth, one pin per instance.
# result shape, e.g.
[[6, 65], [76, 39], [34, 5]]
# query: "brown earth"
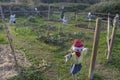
[[7, 63], [86, 26]]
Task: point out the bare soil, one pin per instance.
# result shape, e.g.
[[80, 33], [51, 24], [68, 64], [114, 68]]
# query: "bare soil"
[[85, 26], [7, 63]]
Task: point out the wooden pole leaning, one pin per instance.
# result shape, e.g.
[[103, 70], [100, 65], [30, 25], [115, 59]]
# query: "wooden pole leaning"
[[108, 34], [95, 48], [115, 24], [11, 43]]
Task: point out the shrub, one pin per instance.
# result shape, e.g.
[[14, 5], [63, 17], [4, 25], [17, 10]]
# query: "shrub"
[[112, 7], [69, 7], [31, 19]]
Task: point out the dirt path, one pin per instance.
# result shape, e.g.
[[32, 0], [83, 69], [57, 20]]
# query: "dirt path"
[[85, 26], [7, 64]]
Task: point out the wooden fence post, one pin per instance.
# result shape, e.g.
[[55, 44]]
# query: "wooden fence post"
[[95, 48], [115, 24]]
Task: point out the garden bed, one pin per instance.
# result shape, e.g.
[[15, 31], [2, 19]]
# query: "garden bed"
[[85, 26]]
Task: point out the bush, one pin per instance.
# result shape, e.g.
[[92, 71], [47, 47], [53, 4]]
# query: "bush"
[[31, 19], [70, 7], [112, 7]]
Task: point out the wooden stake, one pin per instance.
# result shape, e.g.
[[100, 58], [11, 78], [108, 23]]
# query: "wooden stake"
[[115, 24], [89, 25], [74, 77], [75, 16], [95, 48], [108, 33]]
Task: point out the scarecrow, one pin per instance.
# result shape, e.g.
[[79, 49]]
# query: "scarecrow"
[[90, 16], [36, 9], [62, 12], [64, 20], [76, 55], [12, 18]]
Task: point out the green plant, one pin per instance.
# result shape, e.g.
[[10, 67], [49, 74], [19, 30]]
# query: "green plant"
[[59, 41], [1, 27], [3, 40], [23, 31], [29, 74], [31, 19], [106, 7]]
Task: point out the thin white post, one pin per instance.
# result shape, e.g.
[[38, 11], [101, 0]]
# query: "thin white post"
[[115, 24], [108, 33]]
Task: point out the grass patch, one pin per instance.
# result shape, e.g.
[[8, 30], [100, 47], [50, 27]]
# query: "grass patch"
[[27, 38], [3, 39]]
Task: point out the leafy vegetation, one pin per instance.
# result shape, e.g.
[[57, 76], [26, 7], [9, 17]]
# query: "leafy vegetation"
[[29, 74], [3, 39], [32, 40], [112, 7]]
